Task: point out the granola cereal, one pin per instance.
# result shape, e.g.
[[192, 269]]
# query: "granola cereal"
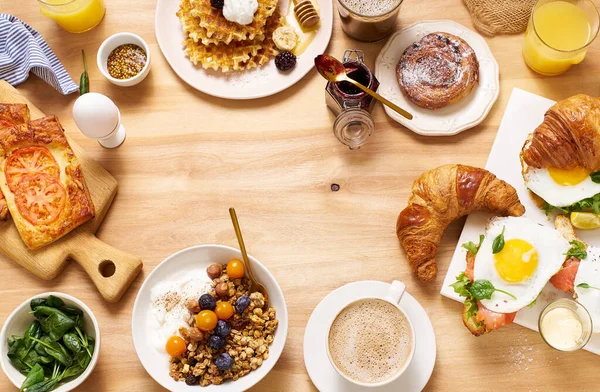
[[248, 336]]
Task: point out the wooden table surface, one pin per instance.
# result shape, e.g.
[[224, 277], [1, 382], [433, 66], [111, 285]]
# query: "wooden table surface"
[[188, 157]]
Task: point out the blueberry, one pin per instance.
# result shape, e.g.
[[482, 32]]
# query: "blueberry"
[[207, 301], [224, 362], [242, 304], [222, 329], [216, 341]]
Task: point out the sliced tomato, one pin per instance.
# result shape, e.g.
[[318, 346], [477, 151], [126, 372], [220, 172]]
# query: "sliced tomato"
[[40, 198], [493, 320], [28, 161], [565, 278]]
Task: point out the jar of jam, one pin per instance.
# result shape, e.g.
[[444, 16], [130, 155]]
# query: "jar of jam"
[[352, 106]]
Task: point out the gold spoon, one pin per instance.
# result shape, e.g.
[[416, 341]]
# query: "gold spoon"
[[334, 71], [254, 285]]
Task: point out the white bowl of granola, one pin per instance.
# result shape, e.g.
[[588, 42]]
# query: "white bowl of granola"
[[164, 309]]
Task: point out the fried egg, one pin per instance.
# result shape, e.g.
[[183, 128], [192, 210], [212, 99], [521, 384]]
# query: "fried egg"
[[531, 255], [589, 272], [559, 187]]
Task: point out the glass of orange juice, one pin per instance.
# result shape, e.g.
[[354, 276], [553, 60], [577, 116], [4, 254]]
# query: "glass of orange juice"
[[558, 34], [75, 16]]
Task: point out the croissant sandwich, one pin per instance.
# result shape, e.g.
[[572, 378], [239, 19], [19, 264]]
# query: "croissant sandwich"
[[438, 197], [561, 158]]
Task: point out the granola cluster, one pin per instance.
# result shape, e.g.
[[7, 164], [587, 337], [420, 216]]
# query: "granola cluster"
[[252, 331]]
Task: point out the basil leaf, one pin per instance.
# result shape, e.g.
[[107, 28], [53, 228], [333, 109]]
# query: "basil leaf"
[[35, 376], [595, 177], [461, 285], [587, 286], [498, 243], [472, 247], [483, 289]]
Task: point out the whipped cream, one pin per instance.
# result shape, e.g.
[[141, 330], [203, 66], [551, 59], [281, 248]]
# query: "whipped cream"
[[240, 11]]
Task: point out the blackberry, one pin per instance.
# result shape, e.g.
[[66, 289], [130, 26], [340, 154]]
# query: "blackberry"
[[216, 342], [224, 362], [219, 4], [207, 301], [285, 60], [242, 304], [223, 329], [191, 380]]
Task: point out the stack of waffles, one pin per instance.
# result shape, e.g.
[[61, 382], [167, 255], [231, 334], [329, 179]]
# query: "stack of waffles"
[[216, 43]]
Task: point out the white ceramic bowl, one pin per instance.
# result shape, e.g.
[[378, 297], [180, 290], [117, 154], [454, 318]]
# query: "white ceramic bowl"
[[113, 42], [19, 320], [144, 324]]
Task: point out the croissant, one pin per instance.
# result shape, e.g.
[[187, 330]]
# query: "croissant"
[[568, 137], [438, 197]]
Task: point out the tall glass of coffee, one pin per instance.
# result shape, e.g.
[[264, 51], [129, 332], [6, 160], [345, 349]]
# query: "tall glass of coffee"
[[368, 20]]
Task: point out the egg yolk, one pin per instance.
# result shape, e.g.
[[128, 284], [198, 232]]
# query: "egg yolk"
[[517, 261], [568, 177]]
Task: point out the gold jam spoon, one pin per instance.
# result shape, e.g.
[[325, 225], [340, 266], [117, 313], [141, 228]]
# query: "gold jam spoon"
[[254, 285], [334, 71]]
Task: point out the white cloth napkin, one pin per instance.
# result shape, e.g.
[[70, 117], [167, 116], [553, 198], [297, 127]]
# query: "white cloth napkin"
[[24, 50]]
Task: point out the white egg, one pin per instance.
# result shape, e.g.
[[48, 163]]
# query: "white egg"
[[532, 254], [589, 272], [540, 182], [96, 115]]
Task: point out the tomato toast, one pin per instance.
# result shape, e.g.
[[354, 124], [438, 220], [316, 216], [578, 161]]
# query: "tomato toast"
[[10, 115], [42, 181]]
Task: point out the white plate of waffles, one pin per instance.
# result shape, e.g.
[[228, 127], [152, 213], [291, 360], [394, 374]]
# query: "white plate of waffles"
[[456, 117], [216, 45]]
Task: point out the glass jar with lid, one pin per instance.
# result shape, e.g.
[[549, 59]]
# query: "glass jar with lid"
[[353, 125]]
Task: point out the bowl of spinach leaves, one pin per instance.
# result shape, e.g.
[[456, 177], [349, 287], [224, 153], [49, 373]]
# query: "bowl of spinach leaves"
[[49, 343]]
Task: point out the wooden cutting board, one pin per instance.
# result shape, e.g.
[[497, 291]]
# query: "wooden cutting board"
[[111, 270]]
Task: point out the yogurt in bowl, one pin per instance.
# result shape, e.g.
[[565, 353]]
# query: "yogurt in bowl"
[[187, 270]]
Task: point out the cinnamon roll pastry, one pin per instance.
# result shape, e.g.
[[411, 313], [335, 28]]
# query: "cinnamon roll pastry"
[[438, 70]]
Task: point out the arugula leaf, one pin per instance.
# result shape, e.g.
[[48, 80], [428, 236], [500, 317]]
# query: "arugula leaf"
[[587, 286], [595, 177], [472, 310], [590, 204], [483, 289], [461, 285], [498, 243], [472, 247], [577, 250]]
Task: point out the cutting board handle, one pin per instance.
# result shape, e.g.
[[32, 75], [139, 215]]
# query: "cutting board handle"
[[111, 269]]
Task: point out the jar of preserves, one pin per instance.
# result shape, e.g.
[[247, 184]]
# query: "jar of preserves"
[[353, 125]]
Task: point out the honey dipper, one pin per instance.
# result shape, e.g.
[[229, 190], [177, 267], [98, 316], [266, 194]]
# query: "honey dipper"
[[306, 13]]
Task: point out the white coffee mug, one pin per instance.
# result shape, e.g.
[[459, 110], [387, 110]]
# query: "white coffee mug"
[[394, 295]]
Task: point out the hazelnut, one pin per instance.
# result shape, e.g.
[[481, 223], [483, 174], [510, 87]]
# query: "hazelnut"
[[214, 271], [222, 289], [193, 305]]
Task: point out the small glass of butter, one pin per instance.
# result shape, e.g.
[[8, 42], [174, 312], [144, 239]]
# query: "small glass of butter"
[[565, 325]]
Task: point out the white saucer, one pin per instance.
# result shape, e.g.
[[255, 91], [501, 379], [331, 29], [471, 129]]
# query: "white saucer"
[[320, 370], [454, 118]]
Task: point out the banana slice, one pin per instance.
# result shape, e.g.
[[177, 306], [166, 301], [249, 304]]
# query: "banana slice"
[[285, 38]]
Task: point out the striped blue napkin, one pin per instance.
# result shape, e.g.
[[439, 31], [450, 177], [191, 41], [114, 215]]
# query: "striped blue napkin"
[[23, 50]]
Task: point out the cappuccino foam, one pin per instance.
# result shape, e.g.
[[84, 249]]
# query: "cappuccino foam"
[[370, 341], [370, 7]]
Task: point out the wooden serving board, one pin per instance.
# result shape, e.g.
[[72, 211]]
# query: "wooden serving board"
[[111, 270]]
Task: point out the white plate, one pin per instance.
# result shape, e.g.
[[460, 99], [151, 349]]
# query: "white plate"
[[452, 119], [257, 83], [524, 112], [144, 324], [317, 363]]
